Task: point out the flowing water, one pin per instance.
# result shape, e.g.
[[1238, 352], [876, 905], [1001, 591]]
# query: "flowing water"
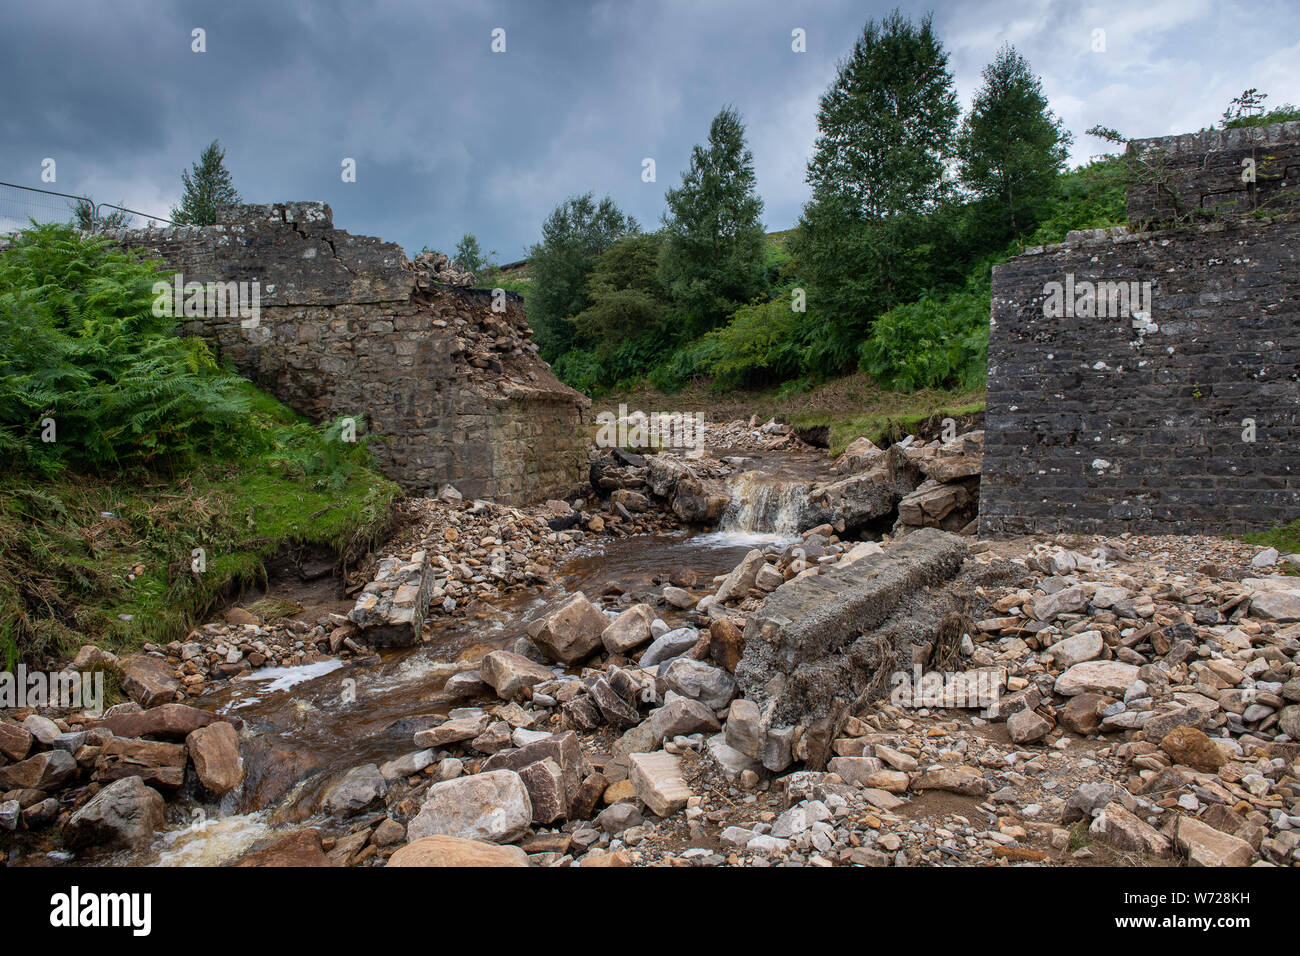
[[762, 504], [767, 500], [310, 724]]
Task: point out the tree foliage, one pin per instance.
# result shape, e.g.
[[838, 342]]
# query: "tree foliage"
[[886, 126], [574, 235], [1012, 148], [83, 217], [208, 185], [886, 129], [714, 246], [469, 254], [627, 298]]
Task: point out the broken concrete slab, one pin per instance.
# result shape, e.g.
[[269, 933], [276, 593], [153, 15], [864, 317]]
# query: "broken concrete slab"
[[802, 646]]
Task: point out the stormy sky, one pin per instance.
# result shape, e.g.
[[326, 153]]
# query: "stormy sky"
[[451, 137]]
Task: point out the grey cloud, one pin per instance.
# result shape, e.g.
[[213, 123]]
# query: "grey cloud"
[[450, 137]]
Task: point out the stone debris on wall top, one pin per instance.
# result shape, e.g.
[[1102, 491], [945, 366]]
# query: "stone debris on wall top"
[[1211, 140], [435, 268]]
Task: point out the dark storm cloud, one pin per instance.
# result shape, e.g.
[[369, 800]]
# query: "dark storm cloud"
[[450, 137]]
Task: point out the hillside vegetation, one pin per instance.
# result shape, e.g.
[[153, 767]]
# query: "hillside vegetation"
[[142, 481], [887, 272]]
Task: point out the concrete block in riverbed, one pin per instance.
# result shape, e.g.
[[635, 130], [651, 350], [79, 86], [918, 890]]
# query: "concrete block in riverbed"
[[818, 638]]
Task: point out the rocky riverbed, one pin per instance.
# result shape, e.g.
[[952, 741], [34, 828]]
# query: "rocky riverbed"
[[660, 672]]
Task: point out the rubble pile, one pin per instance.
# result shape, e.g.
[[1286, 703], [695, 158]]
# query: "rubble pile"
[[924, 699], [754, 435], [453, 551], [1136, 730], [435, 268]]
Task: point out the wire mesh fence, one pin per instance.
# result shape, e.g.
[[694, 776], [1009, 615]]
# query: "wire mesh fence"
[[21, 205], [109, 215]]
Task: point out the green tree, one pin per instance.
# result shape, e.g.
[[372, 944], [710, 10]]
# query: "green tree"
[[627, 298], [83, 217], [1011, 147], [207, 186], [574, 235], [714, 247], [1248, 110], [1249, 104], [469, 254], [887, 127], [887, 124]]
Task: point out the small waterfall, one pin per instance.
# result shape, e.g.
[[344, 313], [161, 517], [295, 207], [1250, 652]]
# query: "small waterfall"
[[764, 505]]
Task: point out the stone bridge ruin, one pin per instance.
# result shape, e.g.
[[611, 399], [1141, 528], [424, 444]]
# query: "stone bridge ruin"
[[348, 326], [1174, 410]]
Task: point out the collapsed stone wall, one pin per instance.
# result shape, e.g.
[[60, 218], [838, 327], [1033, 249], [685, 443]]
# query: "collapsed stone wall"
[[1177, 411], [454, 390]]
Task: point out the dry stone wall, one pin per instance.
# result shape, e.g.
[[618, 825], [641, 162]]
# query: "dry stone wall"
[[1150, 381], [348, 325]]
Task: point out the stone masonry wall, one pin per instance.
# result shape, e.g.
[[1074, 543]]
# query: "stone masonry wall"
[[1216, 173], [1179, 414], [455, 391]]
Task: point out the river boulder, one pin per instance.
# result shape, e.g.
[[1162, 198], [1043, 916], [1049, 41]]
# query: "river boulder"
[[629, 630], [453, 851], [357, 790], [124, 814], [570, 630], [493, 806], [510, 674], [214, 750]]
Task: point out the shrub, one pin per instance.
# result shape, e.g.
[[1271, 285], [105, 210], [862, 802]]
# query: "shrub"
[[931, 343], [756, 346], [580, 369]]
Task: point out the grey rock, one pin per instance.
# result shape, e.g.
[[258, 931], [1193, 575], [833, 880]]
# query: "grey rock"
[[710, 685], [125, 814], [672, 644], [493, 806], [359, 789]]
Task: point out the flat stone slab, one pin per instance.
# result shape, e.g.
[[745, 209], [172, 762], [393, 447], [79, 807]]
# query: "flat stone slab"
[[659, 783], [1098, 677]]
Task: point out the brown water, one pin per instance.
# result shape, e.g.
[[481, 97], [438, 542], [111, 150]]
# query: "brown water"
[[312, 723]]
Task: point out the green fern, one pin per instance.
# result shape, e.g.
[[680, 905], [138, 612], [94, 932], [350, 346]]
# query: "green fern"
[[79, 344]]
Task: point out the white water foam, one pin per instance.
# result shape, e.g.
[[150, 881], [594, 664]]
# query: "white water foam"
[[283, 678], [212, 842]]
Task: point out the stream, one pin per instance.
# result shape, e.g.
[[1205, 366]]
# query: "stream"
[[307, 725]]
